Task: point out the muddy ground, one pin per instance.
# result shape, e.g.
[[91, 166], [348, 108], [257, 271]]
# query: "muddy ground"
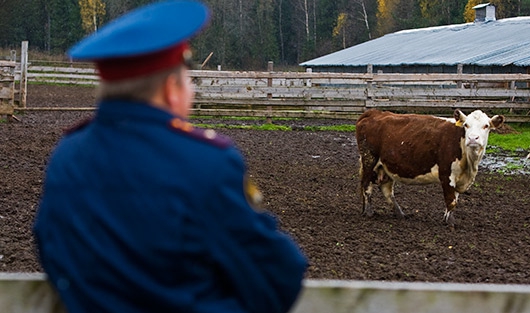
[[310, 181]]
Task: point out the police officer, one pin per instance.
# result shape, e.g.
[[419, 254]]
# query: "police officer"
[[143, 212]]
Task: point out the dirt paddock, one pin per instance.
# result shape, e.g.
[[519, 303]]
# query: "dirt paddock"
[[310, 181]]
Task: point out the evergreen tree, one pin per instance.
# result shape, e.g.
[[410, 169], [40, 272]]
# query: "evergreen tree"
[[65, 24], [442, 12]]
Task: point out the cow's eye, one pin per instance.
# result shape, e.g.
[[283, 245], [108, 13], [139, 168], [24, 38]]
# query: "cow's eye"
[[466, 125], [486, 126]]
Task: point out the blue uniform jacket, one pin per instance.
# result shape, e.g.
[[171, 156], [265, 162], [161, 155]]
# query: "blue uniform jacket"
[[141, 212]]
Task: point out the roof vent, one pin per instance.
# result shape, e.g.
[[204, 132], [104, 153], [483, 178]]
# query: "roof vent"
[[484, 12]]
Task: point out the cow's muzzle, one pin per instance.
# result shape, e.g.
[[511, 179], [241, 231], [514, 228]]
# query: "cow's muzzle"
[[474, 142]]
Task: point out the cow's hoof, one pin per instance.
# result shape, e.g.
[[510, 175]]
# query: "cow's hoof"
[[399, 213], [368, 213]]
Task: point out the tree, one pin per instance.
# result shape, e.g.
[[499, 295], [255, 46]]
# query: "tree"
[[339, 29], [116, 8], [92, 12], [385, 20], [442, 12], [469, 12], [365, 18]]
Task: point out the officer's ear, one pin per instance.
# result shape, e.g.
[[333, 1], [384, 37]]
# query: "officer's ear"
[[181, 75], [171, 89]]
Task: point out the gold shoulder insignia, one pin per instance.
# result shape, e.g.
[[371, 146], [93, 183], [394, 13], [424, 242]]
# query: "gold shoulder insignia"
[[179, 124], [206, 135], [252, 194]]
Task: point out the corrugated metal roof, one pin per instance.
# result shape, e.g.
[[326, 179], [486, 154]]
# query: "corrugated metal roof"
[[501, 42]]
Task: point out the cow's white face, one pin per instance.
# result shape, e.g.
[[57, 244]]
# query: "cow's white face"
[[477, 127]]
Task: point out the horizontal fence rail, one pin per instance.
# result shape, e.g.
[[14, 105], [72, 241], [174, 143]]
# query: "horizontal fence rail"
[[30, 292], [333, 95]]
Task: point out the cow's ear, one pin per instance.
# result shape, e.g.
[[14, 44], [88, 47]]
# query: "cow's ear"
[[460, 118], [497, 121]]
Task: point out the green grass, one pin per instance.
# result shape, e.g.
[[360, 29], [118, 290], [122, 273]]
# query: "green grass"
[[511, 142], [233, 118], [339, 128], [267, 126], [272, 126]]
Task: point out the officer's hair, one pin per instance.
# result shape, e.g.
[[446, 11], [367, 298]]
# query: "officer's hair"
[[136, 89]]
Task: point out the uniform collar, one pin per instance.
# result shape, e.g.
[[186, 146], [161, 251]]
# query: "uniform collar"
[[122, 110]]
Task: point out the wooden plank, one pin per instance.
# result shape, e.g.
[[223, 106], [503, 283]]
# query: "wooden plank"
[[57, 69], [23, 82], [381, 77], [279, 102], [6, 92], [62, 76], [450, 92], [296, 82], [448, 104], [276, 75], [238, 92], [435, 77], [65, 81], [275, 114], [517, 118], [8, 64], [6, 76], [6, 108], [58, 109]]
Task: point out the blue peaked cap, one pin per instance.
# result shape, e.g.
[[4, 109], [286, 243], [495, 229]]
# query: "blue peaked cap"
[[145, 30]]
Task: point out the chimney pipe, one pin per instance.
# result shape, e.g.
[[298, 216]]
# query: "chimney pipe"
[[484, 12]]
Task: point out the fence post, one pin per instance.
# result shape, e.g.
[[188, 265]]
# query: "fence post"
[[308, 94], [23, 74], [270, 67], [368, 90], [459, 71], [459, 84]]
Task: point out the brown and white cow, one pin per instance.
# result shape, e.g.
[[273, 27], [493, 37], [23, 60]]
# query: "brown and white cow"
[[420, 149]]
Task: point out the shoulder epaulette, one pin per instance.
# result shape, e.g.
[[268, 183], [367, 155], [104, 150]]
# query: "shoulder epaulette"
[[209, 136], [78, 126]]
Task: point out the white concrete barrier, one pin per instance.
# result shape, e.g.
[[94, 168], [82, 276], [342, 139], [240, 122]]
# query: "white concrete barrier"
[[29, 292], [398, 297]]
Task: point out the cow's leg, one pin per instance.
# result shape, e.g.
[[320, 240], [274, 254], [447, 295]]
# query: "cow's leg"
[[368, 176], [367, 201], [387, 187], [451, 198]]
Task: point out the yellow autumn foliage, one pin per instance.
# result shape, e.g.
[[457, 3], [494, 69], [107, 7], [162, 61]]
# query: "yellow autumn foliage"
[[92, 12], [341, 22]]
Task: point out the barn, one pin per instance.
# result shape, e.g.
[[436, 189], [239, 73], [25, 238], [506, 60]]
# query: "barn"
[[485, 46]]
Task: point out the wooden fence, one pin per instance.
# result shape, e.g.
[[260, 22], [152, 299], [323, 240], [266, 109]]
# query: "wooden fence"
[[13, 81], [333, 95], [30, 292]]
